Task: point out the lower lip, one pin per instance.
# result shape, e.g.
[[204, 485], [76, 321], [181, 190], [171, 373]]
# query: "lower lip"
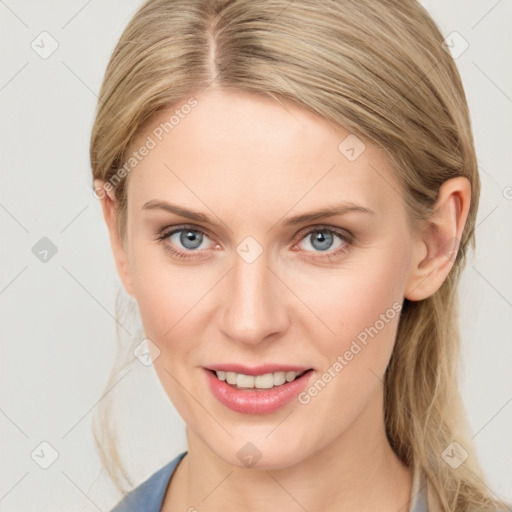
[[253, 401]]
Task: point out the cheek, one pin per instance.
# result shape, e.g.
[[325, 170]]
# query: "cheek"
[[357, 313], [166, 294], [169, 298], [363, 310]]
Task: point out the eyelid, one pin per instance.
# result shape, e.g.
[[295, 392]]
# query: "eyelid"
[[343, 233], [168, 231]]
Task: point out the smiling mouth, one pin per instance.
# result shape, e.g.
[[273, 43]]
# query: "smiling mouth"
[[258, 382]]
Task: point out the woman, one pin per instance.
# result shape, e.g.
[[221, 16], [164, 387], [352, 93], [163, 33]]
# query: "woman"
[[290, 190]]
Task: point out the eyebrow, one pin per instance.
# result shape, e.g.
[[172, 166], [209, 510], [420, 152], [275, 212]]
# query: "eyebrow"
[[329, 211]]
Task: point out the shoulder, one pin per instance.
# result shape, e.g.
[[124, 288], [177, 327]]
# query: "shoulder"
[[149, 495]]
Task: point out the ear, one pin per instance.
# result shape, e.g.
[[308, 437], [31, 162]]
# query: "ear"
[[437, 246], [106, 194]]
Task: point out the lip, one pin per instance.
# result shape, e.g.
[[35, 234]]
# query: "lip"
[[252, 401], [262, 369]]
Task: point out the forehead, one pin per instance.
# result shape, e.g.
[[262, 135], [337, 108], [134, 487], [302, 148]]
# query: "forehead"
[[237, 150]]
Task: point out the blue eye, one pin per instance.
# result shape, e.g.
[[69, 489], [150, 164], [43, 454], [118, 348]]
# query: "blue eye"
[[321, 239], [189, 237]]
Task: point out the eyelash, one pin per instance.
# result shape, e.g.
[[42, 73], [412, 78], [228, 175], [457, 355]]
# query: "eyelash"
[[327, 256]]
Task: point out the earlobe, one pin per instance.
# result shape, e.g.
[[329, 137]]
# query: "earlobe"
[[437, 246], [109, 207]]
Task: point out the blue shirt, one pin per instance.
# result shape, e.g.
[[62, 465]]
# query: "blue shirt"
[[149, 495]]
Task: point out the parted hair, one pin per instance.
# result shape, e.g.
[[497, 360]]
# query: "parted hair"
[[377, 68]]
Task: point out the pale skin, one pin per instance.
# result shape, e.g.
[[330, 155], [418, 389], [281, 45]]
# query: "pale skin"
[[248, 163]]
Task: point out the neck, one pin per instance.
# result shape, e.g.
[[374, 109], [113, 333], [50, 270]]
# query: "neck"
[[358, 471]]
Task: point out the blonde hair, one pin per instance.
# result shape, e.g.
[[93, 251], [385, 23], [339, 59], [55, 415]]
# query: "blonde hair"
[[376, 68]]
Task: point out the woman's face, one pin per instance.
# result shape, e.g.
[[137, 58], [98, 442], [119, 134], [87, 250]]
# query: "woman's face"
[[248, 287]]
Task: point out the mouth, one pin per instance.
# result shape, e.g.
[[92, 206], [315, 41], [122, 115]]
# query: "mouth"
[[257, 391], [258, 382]]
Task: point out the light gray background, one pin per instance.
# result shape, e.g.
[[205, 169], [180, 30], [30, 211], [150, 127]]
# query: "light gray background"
[[58, 334]]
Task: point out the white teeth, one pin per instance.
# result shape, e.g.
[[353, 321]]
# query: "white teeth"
[[290, 376], [244, 381], [279, 378], [230, 377], [267, 381]]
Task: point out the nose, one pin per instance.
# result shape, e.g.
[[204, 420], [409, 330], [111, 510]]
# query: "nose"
[[253, 302]]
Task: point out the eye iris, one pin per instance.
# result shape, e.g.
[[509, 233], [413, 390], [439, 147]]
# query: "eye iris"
[[320, 237], [188, 236]]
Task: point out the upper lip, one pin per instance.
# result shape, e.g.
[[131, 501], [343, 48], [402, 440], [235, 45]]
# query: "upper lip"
[[261, 369]]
